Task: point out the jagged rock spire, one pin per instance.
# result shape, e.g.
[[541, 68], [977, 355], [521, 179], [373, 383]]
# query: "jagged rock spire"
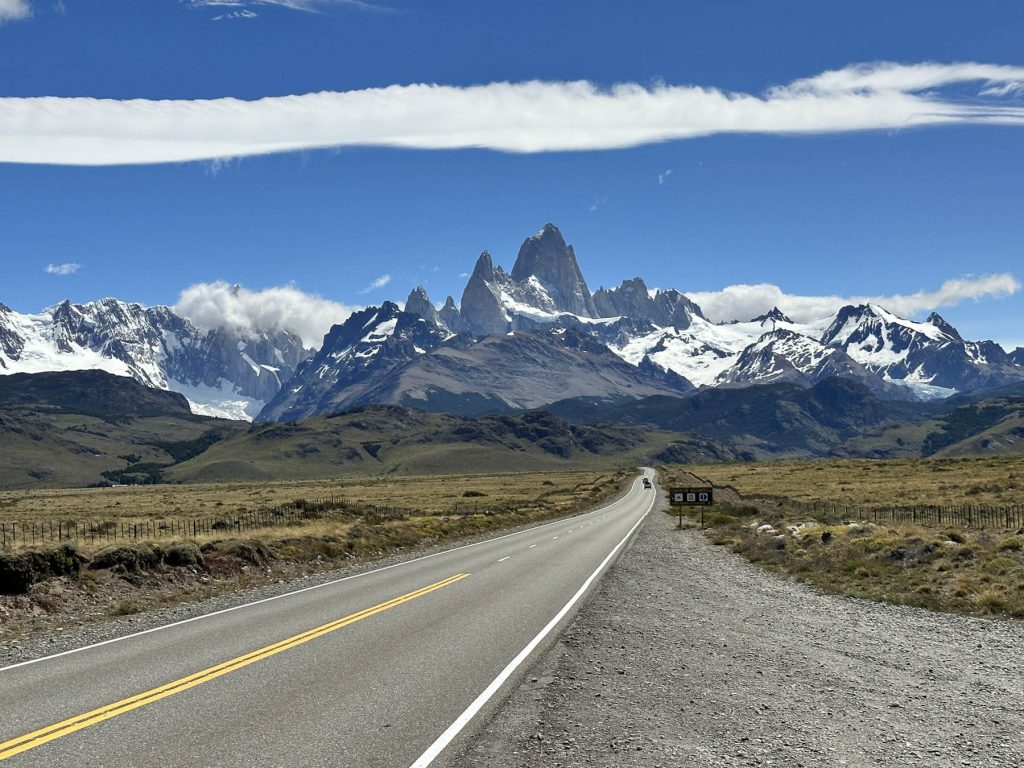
[[547, 257]]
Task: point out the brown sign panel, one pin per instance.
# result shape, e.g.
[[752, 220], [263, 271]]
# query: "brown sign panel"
[[686, 497]]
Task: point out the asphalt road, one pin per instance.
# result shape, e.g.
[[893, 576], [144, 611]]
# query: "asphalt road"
[[380, 669]]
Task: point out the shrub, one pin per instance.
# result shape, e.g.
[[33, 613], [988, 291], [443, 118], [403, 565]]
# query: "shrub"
[[128, 559], [1011, 544], [184, 554], [19, 572], [719, 518], [127, 608], [16, 574], [991, 600], [255, 552]]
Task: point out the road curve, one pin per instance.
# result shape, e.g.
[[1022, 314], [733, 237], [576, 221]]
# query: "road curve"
[[380, 669]]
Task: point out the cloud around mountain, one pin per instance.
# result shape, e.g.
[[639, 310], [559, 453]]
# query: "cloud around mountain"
[[510, 117], [223, 305], [220, 304], [742, 301]]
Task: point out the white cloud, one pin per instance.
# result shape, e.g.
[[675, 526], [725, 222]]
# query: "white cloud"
[[62, 269], [222, 305], [310, 6], [742, 302], [663, 176], [380, 282], [236, 15], [510, 117], [14, 10]]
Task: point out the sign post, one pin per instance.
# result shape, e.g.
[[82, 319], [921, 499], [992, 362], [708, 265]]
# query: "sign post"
[[699, 496]]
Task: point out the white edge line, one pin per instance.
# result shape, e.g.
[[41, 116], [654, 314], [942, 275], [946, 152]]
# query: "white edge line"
[[504, 559], [300, 591], [462, 720]]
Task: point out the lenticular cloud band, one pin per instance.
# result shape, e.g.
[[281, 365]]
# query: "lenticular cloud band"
[[508, 117]]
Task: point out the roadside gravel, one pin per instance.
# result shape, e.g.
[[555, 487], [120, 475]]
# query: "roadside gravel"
[[687, 655]]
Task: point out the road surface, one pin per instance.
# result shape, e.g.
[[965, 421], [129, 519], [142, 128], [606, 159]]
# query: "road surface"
[[385, 668]]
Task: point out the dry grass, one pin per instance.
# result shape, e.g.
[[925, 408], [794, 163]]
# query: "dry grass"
[[973, 572], [435, 494], [989, 480], [941, 568]]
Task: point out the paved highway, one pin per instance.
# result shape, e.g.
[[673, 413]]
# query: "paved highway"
[[381, 669]]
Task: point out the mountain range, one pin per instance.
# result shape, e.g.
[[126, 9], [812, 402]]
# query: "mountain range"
[[88, 428], [223, 373], [517, 340]]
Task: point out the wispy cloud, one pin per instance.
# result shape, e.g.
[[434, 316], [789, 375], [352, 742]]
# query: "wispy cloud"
[[742, 302], [663, 176], [309, 6], [63, 270], [245, 14], [508, 117], [223, 305], [380, 282], [14, 10]]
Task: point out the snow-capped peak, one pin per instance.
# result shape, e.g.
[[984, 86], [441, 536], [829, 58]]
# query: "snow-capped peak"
[[224, 374]]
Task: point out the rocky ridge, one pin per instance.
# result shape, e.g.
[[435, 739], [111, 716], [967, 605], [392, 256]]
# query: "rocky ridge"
[[664, 335], [471, 359], [221, 372]]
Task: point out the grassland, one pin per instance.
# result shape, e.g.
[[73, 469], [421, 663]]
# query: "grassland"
[[551, 491], [979, 572]]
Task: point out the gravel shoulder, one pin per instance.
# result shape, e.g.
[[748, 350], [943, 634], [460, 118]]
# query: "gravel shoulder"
[[688, 655]]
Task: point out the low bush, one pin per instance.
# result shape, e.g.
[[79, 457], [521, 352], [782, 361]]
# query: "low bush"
[[18, 572], [184, 554], [254, 552], [128, 559]]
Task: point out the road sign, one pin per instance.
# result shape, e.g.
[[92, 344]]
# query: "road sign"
[[691, 497]]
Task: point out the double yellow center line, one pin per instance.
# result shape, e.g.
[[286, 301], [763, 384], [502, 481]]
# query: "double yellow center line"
[[43, 735]]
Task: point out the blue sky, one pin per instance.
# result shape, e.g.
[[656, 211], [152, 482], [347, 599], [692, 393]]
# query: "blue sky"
[[802, 202]]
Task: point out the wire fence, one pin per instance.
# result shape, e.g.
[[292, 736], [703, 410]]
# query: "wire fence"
[[1006, 516], [996, 516], [298, 512]]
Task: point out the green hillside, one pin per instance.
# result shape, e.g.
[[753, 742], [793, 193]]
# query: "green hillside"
[[74, 429], [380, 440]]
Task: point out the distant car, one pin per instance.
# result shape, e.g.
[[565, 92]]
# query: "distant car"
[[647, 483]]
